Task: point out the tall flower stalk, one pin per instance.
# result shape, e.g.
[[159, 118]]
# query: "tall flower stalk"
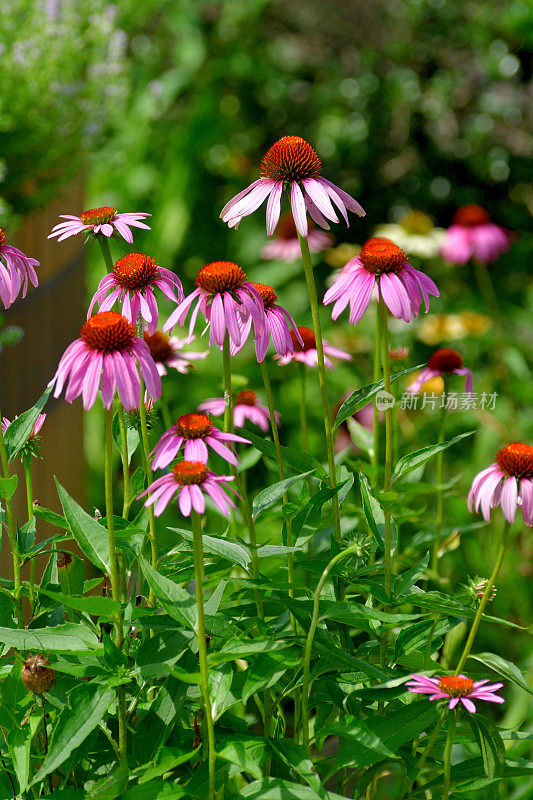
[[12, 534], [439, 460], [146, 465], [26, 463], [385, 363], [452, 725]]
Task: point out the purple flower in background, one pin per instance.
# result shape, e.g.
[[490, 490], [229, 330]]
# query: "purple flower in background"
[[105, 220], [304, 344], [197, 431], [473, 235], [15, 270], [189, 479], [443, 362], [167, 352], [507, 482], [456, 688], [246, 406], [285, 245], [131, 281], [108, 352], [380, 264], [291, 163]]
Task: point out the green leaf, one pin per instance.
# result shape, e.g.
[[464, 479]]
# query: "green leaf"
[[358, 731], [113, 656], [271, 494], [19, 743], [177, 602], [413, 460], [504, 668], [87, 705], [297, 459], [361, 397], [232, 551], [168, 759], [158, 723], [277, 789], [60, 639], [50, 516], [18, 433], [8, 487], [361, 436], [247, 752], [404, 582], [99, 606], [375, 516], [111, 785], [132, 438], [491, 746], [89, 534]]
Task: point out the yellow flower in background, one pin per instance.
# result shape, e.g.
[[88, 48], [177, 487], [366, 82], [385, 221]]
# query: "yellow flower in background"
[[337, 257], [414, 233], [437, 328]]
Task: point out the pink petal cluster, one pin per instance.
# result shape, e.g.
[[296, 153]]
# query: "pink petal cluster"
[[456, 689], [277, 324], [105, 220], [197, 432], [507, 482], [189, 479], [16, 270], [304, 344], [167, 351], [292, 163], [39, 422], [246, 406], [473, 235]]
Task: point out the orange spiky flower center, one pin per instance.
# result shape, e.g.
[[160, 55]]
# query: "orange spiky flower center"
[[268, 295], [98, 216], [445, 360], [470, 216], [291, 158], [187, 472], [108, 331], [246, 398], [456, 686], [193, 426], [159, 345], [516, 459], [220, 276], [135, 271], [2, 238], [380, 255], [308, 337]]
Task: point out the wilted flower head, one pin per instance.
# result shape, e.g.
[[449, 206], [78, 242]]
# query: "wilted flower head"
[[167, 352], [285, 245], [415, 233], [456, 688], [291, 163], [190, 479], [131, 281], [105, 221], [507, 482], [473, 235], [443, 362], [16, 269], [36, 675], [382, 267], [305, 350], [246, 406]]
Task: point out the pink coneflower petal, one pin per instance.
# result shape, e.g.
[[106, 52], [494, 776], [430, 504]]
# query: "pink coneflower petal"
[[189, 479], [274, 208], [506, 482], [298, 209]]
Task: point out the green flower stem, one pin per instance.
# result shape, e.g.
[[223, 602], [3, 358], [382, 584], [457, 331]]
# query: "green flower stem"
[[125, 463], [146, 465], [310, 636], [375, 377], [385, 362], [114, 576], [199, 577], [439, 459], [303, 407], [424, 757], [452, 725], [313, 302], [106, 252], [485, 599], [228, 402], [12, 534], [26, 463]]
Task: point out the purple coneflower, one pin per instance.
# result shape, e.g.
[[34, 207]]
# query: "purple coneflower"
[[473, 235], [39, 422], [197, 431], [108, 351], [189, 478], [380, 264], [132, 280], [305, 350], [508, 483], [246, 406], [291, 162], [277, 325], [226, 299], [443, 362], [105, 220], [15, 271], [456, 688], [285, 245], [167, 352]]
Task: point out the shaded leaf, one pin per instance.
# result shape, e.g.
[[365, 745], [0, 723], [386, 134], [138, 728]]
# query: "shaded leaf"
[[413, 460], [18, 433], [361, 397]]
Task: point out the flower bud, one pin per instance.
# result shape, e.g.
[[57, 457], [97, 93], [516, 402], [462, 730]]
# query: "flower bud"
[[36, 675]]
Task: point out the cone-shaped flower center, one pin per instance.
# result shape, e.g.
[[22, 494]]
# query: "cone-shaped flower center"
[[159, 345], [2, 238], [291, 158], [193, 426], [98, 216], [456, 686], [246, 398], [380, 255], [516, 459], [220, 276], [108, 331], [416, 222], [268, 295], [470, 216], [445, 360], [308, 337], [187, 472], [135, 271]]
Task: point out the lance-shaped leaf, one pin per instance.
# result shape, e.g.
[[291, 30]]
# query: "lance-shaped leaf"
[[297, 459], [413, 460], [90, 535], [271, 494], [20, 429], [375, 516], [362, 396]]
